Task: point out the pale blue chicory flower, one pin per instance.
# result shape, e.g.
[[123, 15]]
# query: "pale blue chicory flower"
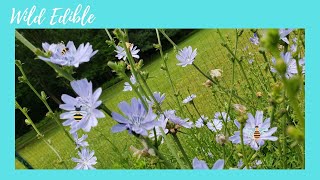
[[121, 53], [136, 118], [80, 142], [85, 104], [255, 164], [291, 64], [283, 33], [87, 159], [222, 116], [170, 114], [202, 165], [214, 125], [253, 124], [189, 98], [294, 45], [201, 121], [255, 39], [162, 123], [186, 56], [159, 98], [127, 86], [68, 55]]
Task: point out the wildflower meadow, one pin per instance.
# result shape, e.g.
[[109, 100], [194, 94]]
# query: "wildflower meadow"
[[160, 99]]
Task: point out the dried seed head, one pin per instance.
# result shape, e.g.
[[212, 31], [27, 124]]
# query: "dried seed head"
[[240, 108], [216, 73], [208, 83], [221, 139], [259, 94]]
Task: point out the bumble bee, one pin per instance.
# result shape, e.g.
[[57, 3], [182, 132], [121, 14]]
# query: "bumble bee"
[[256, 134], [64, 50], [78, 114]]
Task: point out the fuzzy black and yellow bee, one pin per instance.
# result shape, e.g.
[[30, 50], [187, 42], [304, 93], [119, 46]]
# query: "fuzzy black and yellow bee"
[[78, 114], [64, 50], [256, 134]]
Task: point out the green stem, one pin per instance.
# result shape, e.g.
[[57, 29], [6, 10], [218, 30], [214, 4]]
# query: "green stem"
[[110, 37], [239, 62], [172, 149], [44, 101], [168, 38], [284, 143], [242, 146], [168, 73], [221, 87], [176, 139], [39, 134], [166, 162]]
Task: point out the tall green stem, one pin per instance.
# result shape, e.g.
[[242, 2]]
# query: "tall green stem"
[[176, 139], [168, 73], [242, 146], [39, 134], [44, 101], [239, 62]]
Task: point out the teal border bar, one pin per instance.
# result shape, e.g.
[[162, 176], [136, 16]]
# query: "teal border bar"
[[168, 14]]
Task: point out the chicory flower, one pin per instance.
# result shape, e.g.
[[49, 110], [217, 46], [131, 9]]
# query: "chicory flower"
[[68, 55], [186, 56], [136, 118], [87, 159]]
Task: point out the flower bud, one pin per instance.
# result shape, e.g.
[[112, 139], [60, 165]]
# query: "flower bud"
[[144, 74], [281, 67], [119, 34], [157, 46], [163, 67], [110, 42], [18, 63], [139, 64], [112, 65], [242, 118], [27, 121], [43, 95], [22, 79]]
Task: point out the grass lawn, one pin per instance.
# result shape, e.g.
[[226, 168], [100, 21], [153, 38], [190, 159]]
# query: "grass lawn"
[[211, 55]]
